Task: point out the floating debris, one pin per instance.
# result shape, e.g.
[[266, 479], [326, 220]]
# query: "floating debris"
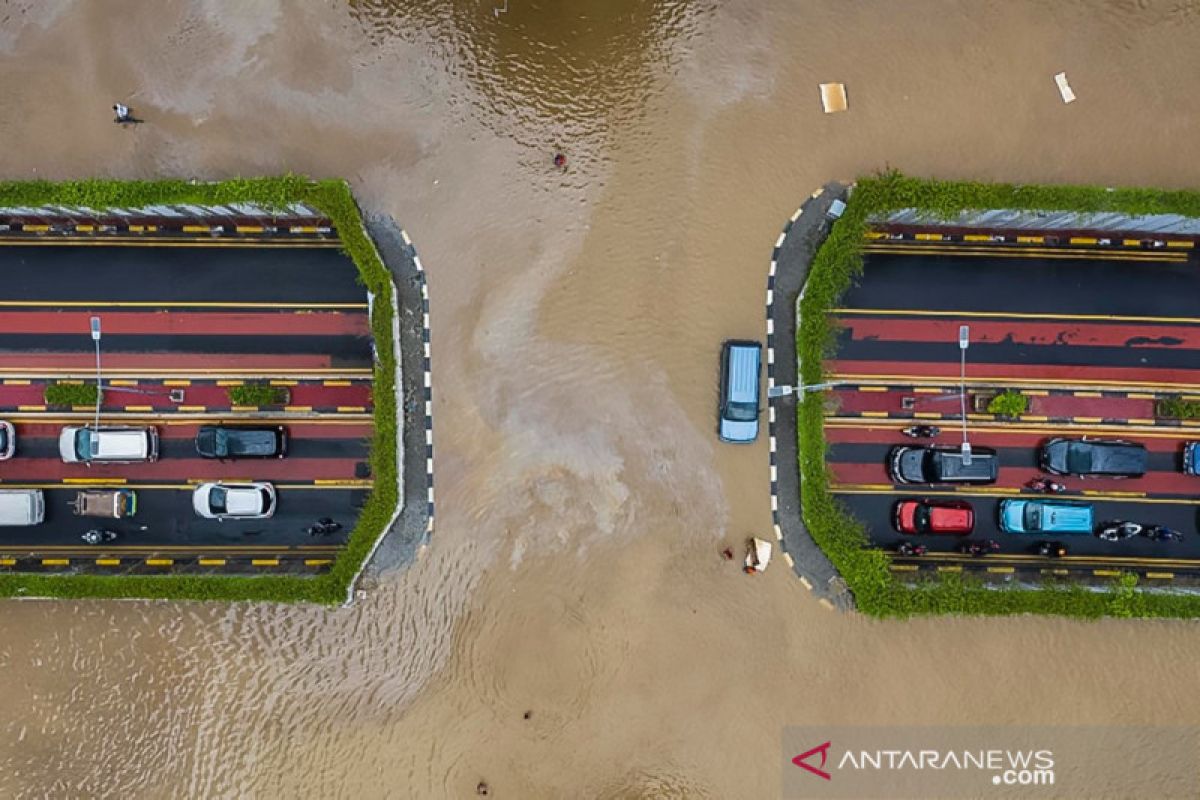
[[833, 97], [1064, 88]]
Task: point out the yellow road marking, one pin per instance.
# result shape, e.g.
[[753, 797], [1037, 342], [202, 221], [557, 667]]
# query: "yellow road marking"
[[1034, 418], [1139, 421], [177, 383], [85, 228], [249, 228], [326, 482], [95, 481], [138, 408], [230, 383], [1057, 571], [18, 382], [1161, 575], [929, 237], [995, 490], [1109, 493], [1155, 433], [243, 408], [35, 228], [928, 414], [56, 562], [926, 390], [192, 408], [1036, 392], [875, 414], [7, 562], [949, 568], [1106, 573], [119, 382], [166, 242], [1087, 420], [211, 562], [108, 562], [1087, 394], [903, 312], [1184, 245], [265, 562], [317, 562], [297, 408], [1084, 240], [351, 409], [903, 567], [335, 383], [1031, 239], [31, 408], [1001, 570], [290, 383], [160, 562], [976, 237], [972, 251]]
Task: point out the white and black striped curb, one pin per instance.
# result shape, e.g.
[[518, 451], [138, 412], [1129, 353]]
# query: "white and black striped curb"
[[427, 368], [803, 555]]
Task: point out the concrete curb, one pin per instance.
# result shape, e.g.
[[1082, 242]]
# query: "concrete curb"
[[412, 527], [790, 259]]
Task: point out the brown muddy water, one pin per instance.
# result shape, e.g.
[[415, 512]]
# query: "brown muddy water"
[[583, 499]]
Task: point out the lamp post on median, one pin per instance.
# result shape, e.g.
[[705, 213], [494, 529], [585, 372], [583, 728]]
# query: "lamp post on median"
[[99, 390], [964, 341]]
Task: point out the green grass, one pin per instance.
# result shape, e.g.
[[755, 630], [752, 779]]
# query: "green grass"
[[1177, 408], [70, 394], [257, 394], [835, 267], [1008, 404], [334, 199]]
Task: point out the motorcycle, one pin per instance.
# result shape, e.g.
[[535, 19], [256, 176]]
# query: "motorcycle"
[[980, 548], [1045, 485], [910, 549], [1118, 531], [1052, 549], [99, 536], [921, 431], [1161, 533]]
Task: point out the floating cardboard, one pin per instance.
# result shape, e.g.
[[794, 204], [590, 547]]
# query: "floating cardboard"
[[1064, 88], [833, 97]]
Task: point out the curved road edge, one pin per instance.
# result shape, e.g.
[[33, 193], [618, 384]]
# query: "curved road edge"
[[790, 259], [412, 525]]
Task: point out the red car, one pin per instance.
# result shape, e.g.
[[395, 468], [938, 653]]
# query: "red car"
[[935, 516]]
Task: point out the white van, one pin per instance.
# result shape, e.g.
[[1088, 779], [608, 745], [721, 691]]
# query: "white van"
[[111, 445], [22, 506]]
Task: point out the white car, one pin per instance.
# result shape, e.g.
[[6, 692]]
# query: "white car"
[[234, 500], [8, 440]]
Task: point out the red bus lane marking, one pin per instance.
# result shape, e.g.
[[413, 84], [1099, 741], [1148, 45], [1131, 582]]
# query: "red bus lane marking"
[[1131, 378], [192, 323], [1066, 332]]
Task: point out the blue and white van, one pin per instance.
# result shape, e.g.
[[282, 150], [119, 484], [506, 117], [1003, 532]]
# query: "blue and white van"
[[741, 363]]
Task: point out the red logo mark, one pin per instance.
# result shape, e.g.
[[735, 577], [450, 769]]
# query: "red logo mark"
[[823, 749]]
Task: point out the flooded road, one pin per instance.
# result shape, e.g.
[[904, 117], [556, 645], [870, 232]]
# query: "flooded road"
[[582, 496]]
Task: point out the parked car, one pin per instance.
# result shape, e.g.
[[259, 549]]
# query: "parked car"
[[1110, 458], [741, 363], [8, 440], [1046, 516], [220, 441], [1191, 458], [110, 503], [922, 464], [111, 445], [934, 516], [234, 500]]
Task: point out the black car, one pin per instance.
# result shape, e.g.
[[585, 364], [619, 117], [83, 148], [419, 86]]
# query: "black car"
[[218, 441], [1110, 458], [916, 464]]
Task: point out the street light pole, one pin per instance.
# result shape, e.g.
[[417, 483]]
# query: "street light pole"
[[964, 341], [99, 388]]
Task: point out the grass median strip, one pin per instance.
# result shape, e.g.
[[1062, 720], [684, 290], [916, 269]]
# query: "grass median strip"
[[865, 568]]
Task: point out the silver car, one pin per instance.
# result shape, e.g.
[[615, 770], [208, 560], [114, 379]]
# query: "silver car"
[[234, 500]]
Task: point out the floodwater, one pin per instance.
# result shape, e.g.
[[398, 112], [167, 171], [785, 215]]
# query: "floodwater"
[[583, 500]]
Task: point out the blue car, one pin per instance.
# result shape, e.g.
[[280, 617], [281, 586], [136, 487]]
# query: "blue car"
[[1191, 458], [1046, 516], [741, 363]]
